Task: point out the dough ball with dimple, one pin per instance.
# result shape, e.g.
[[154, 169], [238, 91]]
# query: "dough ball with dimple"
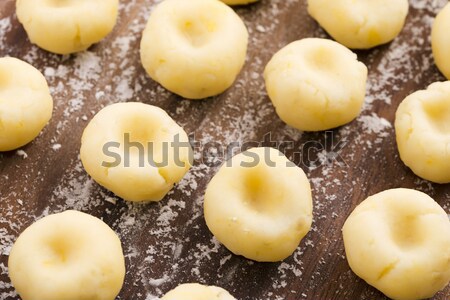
[[440, 38], [67, 256], [67, 26], [399, 242], [135, 150], [238, 2], [259, 205], [194, 48], [25, 103], [422, 126], [316, 84], [360, 24], [195, 291]]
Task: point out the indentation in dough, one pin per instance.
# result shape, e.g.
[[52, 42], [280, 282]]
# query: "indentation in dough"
[[438, 113], [141, 142], [139, 128], [197, 32], [322, 59], [405, 230], [61, 3], [256, 195], [60, 250]]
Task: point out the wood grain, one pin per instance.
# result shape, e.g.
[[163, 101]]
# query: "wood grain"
[[163, 252]]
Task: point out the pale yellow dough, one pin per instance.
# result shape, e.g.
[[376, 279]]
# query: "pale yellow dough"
[[238, 2], [360, 24], [259, 205], [422, 126], [195, 291], [399, 242], [67, 26], [143, 177], [316, 84], [25, 103], [440, 38], [194, 48], [67, 256]]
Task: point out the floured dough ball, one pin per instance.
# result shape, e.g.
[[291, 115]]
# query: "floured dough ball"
[[67, 256], [399, 242], [194, 48], [259, 205], [440, 38], [135, 150], [316, 84], [25, 103], [360, 24], [422, 126], [238, 2], [67, 26], [195, 291]]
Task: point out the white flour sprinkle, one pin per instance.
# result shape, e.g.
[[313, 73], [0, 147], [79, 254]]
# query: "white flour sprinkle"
[[374, 124], [22, 153], [56, 147], [5, 27]]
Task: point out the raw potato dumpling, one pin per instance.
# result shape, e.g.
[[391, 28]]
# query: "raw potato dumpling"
[[238, 2], [360, 24], [131, 149], [422, 126], [316, 84], [440, 38], [399, 242], [67, 26], [67, 256], [259, 205], [25, 103], [195, 291], [194, 48]]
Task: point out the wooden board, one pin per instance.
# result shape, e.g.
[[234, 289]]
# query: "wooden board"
[[168, 243]]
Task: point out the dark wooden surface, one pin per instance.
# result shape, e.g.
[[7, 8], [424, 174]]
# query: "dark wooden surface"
[[168, 243]]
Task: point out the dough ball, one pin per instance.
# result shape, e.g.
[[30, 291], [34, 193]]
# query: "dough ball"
[[194, 48], [135, 150], [67, 256], [440, 39], [238, 2], [360, 24], [25, 103], [422, 127], [195, 291], [399, 242], [67, 26], [316, 84], [259, 205]]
